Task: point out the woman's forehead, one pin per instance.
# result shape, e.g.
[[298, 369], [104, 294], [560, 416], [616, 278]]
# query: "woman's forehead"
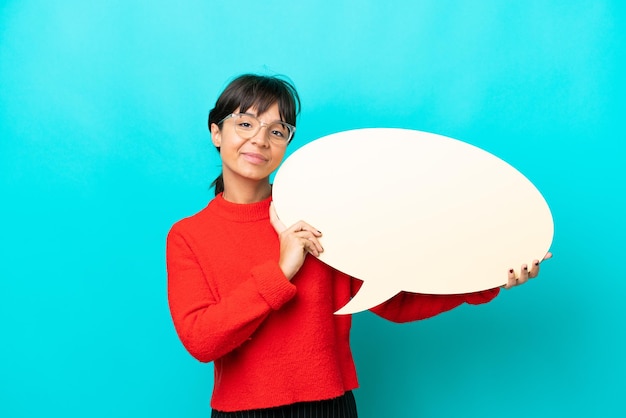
[[271, 112]]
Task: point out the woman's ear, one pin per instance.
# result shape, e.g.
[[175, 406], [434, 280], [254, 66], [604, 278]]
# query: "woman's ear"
[[216, 135]]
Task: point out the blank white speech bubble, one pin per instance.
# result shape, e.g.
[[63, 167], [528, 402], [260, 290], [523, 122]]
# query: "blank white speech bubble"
[[409, 210]]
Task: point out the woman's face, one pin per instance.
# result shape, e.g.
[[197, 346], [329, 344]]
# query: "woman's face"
[[248, 159]]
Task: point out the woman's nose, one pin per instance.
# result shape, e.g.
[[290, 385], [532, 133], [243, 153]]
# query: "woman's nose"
[[261, 137]]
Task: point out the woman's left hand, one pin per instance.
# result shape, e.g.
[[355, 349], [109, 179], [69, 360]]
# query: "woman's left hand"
[[525, 273]]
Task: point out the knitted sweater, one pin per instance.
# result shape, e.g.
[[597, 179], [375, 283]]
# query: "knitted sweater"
[[273, 341]]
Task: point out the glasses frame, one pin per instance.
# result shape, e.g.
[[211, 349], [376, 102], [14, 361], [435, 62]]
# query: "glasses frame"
[[290, 127]]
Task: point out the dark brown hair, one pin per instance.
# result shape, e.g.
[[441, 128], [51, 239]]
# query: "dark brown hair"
[[260, 92]]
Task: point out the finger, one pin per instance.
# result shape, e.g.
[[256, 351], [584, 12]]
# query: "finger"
[[310, 247], [547, 256], [523, 275], [317, 245], [534, 271], [303, 226], [512, 280], [309, 236], [278, 225]]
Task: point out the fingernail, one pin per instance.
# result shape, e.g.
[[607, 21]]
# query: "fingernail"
[[511, 271], [525, 268], [536, 263]]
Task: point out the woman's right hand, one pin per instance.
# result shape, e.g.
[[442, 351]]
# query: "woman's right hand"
[[295, 242]]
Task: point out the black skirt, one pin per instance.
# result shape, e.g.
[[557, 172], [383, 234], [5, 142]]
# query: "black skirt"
[[341, 407]]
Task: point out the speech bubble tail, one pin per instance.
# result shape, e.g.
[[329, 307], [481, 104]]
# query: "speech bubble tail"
[[366, 298]]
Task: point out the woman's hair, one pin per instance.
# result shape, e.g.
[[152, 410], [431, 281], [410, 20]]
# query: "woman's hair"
[[260, 92]]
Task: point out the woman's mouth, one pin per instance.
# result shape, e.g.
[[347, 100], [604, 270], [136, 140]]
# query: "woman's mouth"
[[254, 158]]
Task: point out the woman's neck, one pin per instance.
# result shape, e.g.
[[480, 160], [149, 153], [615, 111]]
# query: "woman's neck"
[[247, 192]]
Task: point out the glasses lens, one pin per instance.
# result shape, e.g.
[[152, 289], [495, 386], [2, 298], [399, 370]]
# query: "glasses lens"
[[246, 125], [279, 132]]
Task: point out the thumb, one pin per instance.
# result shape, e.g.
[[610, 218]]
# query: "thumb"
[[547, 256], [278, 225]]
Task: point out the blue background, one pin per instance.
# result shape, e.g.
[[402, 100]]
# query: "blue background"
[[103, 145]]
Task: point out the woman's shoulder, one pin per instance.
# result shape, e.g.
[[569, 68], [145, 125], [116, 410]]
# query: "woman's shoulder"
[[193, 222]]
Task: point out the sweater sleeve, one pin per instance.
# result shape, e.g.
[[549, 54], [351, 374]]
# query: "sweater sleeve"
[[211, 325], [406, 307]]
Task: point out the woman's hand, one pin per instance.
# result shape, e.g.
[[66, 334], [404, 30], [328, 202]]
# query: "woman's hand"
[[295, 242], [525, 273]]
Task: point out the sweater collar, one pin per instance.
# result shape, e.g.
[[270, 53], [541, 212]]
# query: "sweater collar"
[[240, 212]]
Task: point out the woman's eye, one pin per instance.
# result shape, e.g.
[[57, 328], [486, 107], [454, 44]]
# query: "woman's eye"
[[246, 125], [278, 133]]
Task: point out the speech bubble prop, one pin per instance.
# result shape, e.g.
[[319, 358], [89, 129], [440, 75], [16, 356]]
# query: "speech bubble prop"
[[415, 211]]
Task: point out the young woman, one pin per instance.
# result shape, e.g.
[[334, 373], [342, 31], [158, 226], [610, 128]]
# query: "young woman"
[[249, 294]]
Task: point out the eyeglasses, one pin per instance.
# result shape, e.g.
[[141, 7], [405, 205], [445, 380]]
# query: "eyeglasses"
[[247, 126]]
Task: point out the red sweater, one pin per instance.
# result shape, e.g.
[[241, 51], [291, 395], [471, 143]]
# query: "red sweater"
[[274, 341]]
